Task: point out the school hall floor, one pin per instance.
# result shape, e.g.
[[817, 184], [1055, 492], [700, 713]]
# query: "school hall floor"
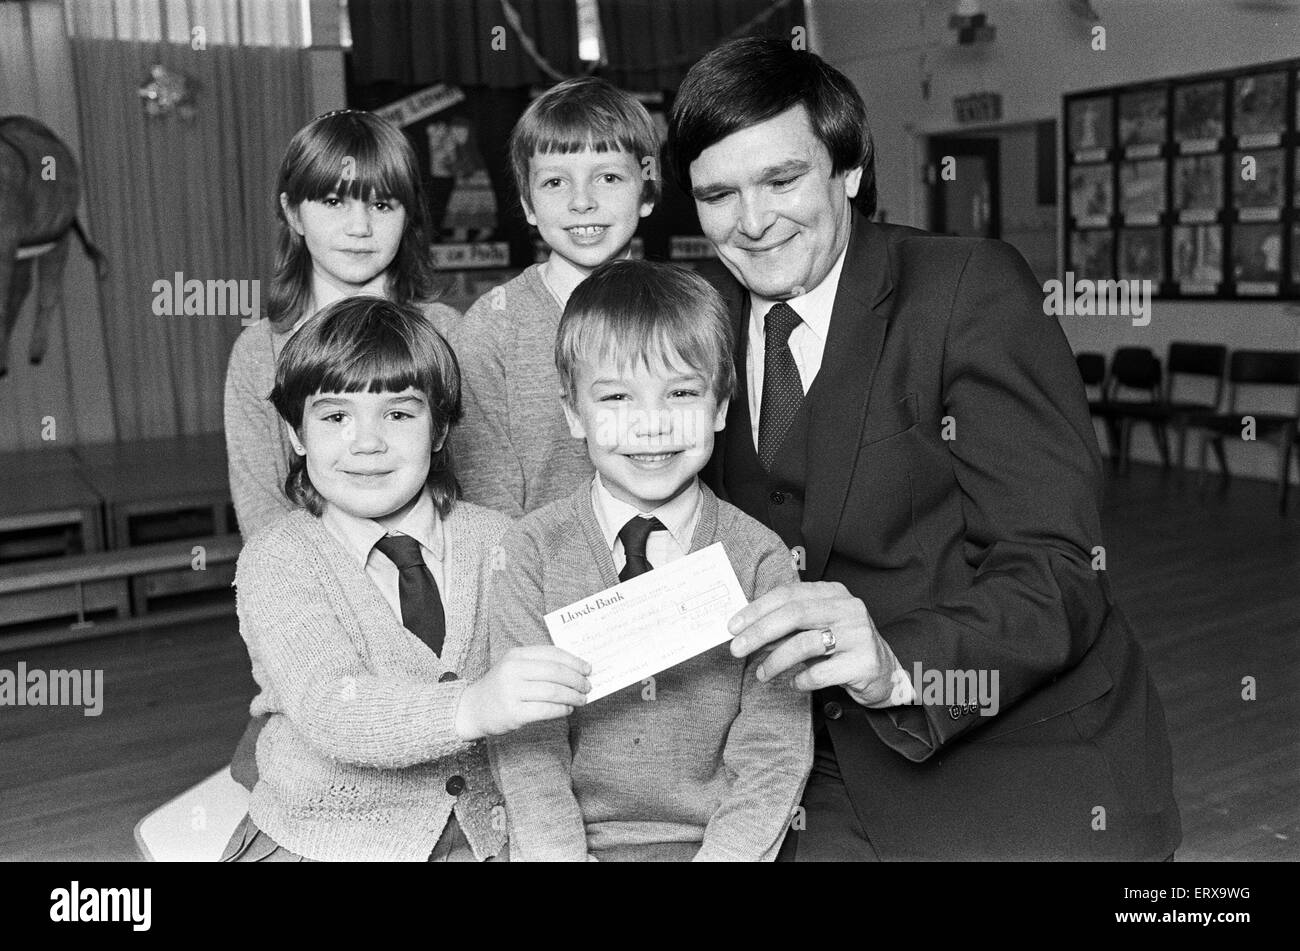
[[1209, 579]]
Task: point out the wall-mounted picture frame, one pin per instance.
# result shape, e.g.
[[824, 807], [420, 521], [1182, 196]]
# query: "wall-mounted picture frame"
[[1143, 121], [1092, 254], [1257, 257], [1142, 191], [1089, 124], [1092, 195], [1259, 108], [1141, 255], [1258, 183], [1199, 115], [1197, 258], [1195, 189], [1198, 186]]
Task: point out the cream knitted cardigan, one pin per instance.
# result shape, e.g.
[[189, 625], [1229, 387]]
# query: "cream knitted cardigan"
[[360, 758]]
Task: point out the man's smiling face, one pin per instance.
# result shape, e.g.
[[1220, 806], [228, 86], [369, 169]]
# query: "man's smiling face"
[[768, 201]]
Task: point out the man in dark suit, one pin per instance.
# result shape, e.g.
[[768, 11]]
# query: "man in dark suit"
[[914, 427]]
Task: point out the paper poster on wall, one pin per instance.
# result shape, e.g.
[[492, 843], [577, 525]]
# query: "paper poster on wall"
[[1198, 116], [1257, 184], [465, 207], [1257, 258], [1089, 125], [1198, 186], [1198, 258], [1092, 195], [1142, 191], [1142, 121], [1259, 109], [1141, 254], [1092, 254]]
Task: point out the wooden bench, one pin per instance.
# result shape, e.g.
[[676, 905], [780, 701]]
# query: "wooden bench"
[[159, 479], [78, 584], [46, 507]]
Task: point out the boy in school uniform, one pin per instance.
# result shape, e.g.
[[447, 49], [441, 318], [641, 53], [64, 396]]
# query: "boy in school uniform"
[[710, 763], [584, 157]]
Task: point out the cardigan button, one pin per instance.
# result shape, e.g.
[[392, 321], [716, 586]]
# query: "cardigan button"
[[833, 710], [777, 497], [456, 785], [447, 677]]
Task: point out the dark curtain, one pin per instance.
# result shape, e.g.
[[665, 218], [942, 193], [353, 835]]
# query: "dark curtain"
[[650, 44], [451, 41]]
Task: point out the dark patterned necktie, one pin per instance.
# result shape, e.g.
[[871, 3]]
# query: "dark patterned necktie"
[[782, 389], [634, 535], [417, 592]]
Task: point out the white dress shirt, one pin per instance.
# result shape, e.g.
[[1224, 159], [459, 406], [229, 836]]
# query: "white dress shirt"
[[359, 535], [679, 516], [807, 342]]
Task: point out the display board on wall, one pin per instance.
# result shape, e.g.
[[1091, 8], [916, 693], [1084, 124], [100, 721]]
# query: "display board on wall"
[[1189, 182]]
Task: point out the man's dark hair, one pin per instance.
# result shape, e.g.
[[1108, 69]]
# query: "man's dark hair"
[[753, 79]]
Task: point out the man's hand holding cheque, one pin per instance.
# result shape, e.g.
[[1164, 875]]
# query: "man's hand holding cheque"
[[821, 625]]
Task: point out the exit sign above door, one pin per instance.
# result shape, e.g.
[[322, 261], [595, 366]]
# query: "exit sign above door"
[[978, 107]]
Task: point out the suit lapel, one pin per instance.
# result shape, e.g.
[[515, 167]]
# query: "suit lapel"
[[840, 393], [738, 421]]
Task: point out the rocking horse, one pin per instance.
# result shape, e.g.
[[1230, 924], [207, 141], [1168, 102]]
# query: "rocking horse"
[[40, 187]]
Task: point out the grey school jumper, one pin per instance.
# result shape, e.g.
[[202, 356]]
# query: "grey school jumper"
[[513, 449], [716, 760]]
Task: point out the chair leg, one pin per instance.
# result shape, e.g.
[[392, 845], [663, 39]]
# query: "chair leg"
[[1182, 443], [1125, 444], [1284, 479], [1112, 443], [1217, 442], [1161, 435]]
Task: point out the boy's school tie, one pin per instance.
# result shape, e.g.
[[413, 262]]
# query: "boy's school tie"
[[633, 535]]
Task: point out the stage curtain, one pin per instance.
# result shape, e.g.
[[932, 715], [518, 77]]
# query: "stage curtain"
[[649, 43], [652, 43], [172, 196], [451, 41]]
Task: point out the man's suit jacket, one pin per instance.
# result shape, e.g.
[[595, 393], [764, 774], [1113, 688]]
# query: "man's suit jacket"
[[972, 552]]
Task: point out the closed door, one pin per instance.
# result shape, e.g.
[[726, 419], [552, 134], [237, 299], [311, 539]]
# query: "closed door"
[[964, 196]]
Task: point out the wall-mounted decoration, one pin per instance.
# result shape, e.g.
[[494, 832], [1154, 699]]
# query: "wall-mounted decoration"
[[1189, 182], [1257, 184], [1259, 108], [1142, 122], [1092, 254], [1092, 196], [1142, 191], [1090, 128], [1198, 258], [167, 91], [1141, 254], [1198, 187], [1198, 116]]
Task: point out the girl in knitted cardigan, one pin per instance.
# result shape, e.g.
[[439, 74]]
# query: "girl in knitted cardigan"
[[361, 612]]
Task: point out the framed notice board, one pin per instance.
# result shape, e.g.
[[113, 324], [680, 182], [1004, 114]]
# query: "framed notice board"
[[1189, 182]]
